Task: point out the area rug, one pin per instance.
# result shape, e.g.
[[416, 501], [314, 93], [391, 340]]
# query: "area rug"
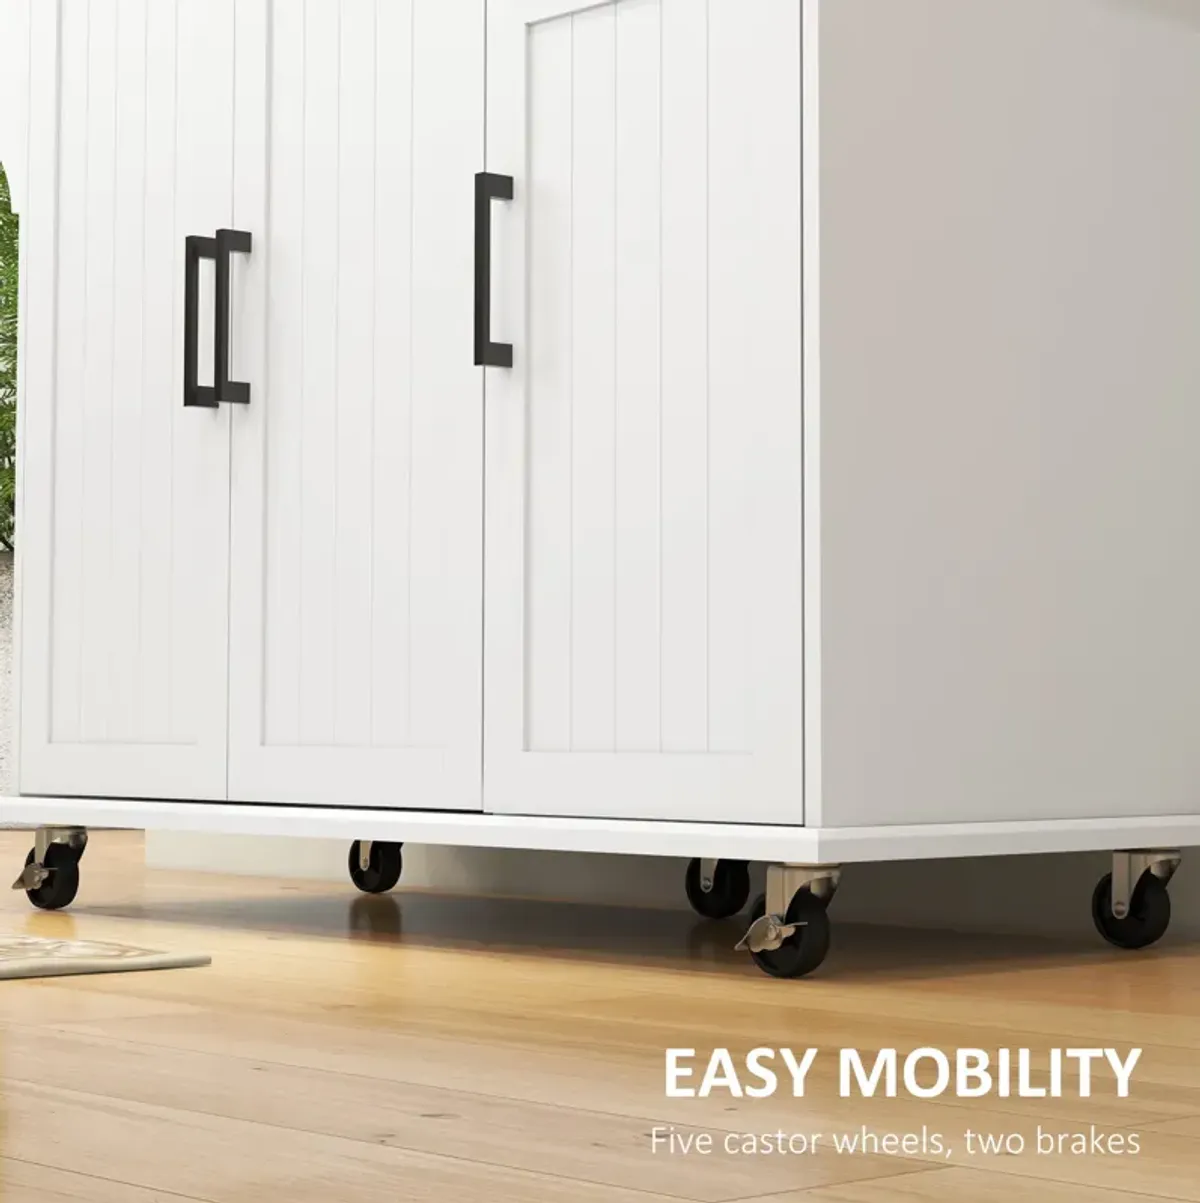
[[31, 956]]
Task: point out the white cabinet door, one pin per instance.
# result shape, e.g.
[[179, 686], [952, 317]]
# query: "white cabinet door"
[[644, 479], [123, 536], [357, 466]]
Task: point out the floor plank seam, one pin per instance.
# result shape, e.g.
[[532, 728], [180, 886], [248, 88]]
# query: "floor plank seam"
[[82, 1033], [871, 1180], [1075, 1184], [109, 1041], [538, 1175], [105, 1178]]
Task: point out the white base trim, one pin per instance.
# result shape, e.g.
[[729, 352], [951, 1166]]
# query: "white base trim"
[[738, 841]]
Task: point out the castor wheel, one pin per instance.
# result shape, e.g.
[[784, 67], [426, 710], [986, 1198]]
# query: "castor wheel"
[[385, 862], [797, 953], [62, 883], [1149, 912], [74, 851], [728, 887]]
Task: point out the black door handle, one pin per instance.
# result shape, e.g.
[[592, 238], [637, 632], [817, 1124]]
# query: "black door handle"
[[195, 393], [238, 392], [488, 187]]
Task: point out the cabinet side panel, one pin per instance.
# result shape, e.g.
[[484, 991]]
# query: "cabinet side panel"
[[1010, 291]]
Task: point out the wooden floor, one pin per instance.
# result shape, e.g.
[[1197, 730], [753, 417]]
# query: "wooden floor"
[[344, 1049]]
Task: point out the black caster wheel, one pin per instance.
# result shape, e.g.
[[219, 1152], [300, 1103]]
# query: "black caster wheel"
[[60, 888], [383, 872], [1149, 913], [730, 889], [69, 852], [805, 949]]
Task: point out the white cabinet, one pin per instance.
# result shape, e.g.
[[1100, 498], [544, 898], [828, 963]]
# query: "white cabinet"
[[645, 452], [839, 474]]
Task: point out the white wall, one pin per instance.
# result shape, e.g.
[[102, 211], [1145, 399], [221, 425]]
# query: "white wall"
[[1040, 894]]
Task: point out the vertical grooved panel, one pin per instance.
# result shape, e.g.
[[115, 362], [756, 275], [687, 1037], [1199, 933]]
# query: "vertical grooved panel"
[[644, 605], [664, 409], [548, 569], [638, 411], [772, 371], [157, 372], [367, 569], [286, 360], [123, 610], [67, 591], [355, 359], [357, 438], [444, 472], [96, 517], [392, 397], [319, 396], [127, 526], [593, 463], [734, 181], [684, 365]]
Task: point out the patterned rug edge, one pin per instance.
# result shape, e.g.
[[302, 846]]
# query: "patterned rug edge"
[[36, 967]]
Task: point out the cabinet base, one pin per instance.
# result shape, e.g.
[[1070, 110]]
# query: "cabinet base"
[[723, 841]]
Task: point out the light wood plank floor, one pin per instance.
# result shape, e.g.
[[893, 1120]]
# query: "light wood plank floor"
[[344, 1049]]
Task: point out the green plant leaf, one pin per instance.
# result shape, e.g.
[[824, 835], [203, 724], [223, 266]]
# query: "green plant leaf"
[[9, 281]]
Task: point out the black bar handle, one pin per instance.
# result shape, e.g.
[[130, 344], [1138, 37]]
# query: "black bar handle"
[[488, 187], [235, 391], [194, 393]]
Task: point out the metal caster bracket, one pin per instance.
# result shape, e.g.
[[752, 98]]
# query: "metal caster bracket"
[[708, 873], [1127, 870], [769, 931], [36, 874], [364, 855]]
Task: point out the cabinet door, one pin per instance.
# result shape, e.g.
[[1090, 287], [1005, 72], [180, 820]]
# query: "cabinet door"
[[644, 459], [357, 467], [123, 530]]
